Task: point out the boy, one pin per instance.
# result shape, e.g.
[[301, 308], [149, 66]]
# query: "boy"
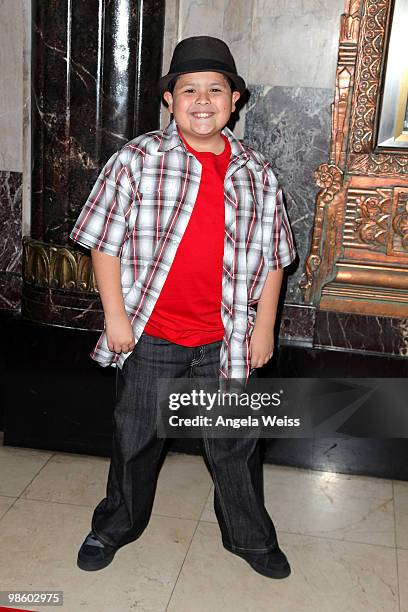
[[188, 231]]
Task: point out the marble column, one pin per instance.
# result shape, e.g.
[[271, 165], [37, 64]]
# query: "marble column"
[[95, 66]]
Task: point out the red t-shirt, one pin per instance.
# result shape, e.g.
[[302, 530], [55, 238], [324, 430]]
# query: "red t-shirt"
[[188, 309]]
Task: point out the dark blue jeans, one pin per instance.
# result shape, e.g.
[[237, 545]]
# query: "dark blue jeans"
[[234, 463]]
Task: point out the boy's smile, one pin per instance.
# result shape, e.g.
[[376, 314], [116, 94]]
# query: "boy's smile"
[[202, 103]]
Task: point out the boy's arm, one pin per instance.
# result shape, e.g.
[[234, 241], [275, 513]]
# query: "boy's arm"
[[119, 332], [281, 252], [262, 338], [102, 226]]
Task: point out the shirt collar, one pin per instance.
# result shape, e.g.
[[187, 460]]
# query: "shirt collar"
[[171, 139]]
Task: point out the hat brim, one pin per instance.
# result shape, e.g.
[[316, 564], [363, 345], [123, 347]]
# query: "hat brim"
[[237, 80]]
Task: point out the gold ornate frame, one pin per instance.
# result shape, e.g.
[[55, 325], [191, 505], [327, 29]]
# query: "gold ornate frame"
[[358, 259]]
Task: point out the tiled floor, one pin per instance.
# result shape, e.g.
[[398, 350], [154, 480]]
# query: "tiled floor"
[[346, 538]]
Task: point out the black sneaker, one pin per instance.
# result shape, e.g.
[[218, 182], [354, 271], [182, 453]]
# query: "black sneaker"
[[273, 564], [94, 555]]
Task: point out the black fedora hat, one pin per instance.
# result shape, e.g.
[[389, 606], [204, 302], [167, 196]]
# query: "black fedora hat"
[[202, 54]]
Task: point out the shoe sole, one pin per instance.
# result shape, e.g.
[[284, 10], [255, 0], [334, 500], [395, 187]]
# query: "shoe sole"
[[92, 566], [278, 573]]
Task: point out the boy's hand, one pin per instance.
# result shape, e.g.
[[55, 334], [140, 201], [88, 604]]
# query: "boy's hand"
[[262, 339], [119, 333], [261, 346]]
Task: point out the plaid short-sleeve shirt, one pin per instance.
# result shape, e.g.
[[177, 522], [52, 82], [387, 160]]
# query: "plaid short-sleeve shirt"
[[139, 209]]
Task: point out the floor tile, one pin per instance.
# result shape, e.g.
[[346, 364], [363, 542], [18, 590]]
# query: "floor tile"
[[39, 548], [403, 578], [327, 576], [339, 506], [18, 466], [5, 503], [72, 479], [183, 486], [401, 512]]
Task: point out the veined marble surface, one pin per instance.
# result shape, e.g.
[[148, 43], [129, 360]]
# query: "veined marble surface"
[[359, 332], [93, 91], [10, 239], [291, 127], [10, 221]]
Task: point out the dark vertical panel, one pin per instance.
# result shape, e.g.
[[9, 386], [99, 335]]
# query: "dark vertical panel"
[[147, 100], [85, 100], [37, 115]]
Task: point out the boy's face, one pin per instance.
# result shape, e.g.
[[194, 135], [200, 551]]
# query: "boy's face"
[[202, 103]]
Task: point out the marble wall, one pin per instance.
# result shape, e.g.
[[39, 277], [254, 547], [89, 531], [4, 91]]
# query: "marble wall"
[[11, 85], [11, 150], [10, 239], [286, 50], [291, 126]]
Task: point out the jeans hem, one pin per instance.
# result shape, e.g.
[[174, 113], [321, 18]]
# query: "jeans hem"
[[250, 550], [104, 541]]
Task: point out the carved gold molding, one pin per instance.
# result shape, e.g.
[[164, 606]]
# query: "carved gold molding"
[[349, 30], [362, 159], [372, 226], [358, 258], [399, 242], [368, 72], [57, 267], [368, 219], [329, 178], [378, 219], [373, 164]]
